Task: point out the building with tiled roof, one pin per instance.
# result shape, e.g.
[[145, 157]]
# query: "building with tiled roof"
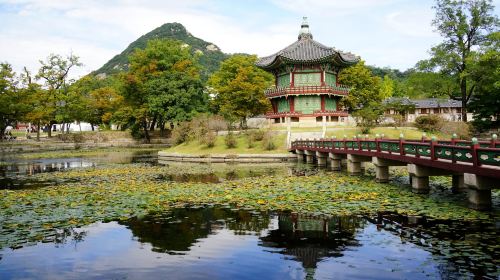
[[306, 90], [448, 109]]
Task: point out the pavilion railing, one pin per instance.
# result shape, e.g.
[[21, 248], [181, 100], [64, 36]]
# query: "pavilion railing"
[[332, 89], [478, 153]]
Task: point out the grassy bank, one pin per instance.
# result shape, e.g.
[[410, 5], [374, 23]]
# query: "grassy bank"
[[81, 153], [195, 148], [389, 132]]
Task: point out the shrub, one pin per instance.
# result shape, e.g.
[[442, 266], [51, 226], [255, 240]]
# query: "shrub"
[[268, 141], [368, 117], [258, 135], [250, 140], [199, 128], [217, 123], [430, 123], [136, 132], [209, 139], [181, 133], [463, 130], [230, 140]]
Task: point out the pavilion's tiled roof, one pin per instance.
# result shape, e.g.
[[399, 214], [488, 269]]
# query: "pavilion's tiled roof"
[[307, 50]]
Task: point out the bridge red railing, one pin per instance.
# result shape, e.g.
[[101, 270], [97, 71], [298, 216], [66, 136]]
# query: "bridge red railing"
[[477, 153]]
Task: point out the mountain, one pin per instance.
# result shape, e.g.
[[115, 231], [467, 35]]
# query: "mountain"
[[210, 58]]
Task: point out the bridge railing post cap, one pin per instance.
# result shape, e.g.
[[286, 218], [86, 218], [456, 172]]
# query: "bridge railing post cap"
[[382, 135], [366, 136], [354, 137], [377, 135], [334, 137], [454, 136], [494, 136], [424, 134], [433, 138], [401, 136], [474, 140], [359, 135]]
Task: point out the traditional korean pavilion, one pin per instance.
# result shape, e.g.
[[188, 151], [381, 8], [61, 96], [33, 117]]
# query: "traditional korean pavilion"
[[306, 89]]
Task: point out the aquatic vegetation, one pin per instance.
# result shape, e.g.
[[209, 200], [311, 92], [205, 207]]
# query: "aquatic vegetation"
[[82, 153], [124, 191]]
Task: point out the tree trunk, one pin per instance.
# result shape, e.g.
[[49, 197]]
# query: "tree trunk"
[[92, 126], [146, 133], [38, 132], [463, 91], [162, 128], [153, 124], [49, 131]]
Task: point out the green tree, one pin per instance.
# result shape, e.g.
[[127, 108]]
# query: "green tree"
[[428, 84], [485, 72], [162, 84], [464, 25], [35, 99], [387, 87], [365, 87], [54, 73], [368, 116], [239, 88], [94, 99], [12, 109]]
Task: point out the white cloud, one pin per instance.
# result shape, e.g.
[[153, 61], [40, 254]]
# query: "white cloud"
[[383, 32], [330, 7]]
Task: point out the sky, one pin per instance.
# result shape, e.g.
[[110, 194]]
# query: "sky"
[[384, 33]]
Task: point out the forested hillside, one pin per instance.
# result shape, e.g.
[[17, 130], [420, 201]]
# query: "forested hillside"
[[210, 55]]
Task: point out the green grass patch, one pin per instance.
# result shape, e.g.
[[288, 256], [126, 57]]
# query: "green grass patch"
[[195, 148], [389, 132], [81, 153]]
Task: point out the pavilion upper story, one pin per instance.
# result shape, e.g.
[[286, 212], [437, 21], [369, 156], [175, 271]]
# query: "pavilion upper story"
[[306, 79]]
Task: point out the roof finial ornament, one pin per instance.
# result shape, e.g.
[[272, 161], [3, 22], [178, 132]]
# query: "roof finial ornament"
[[304, 30]]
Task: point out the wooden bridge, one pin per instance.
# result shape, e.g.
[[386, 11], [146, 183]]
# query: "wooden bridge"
[[474, 165]]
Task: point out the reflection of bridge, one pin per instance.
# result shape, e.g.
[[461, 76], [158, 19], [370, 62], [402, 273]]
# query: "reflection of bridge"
[[473, 164]]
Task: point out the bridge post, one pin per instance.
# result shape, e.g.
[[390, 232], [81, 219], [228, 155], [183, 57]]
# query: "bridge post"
[[300, 155], [457, 184], [479, 190], [336, 161], [354, 163], [419, 178], [309, 156], [382, 168], [322, 157], [420, 184]]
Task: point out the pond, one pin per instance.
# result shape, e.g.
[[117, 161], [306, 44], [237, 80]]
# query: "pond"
[[228, 243], [120, 215]]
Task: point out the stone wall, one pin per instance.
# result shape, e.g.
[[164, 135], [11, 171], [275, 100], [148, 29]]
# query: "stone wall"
[[164, 157]]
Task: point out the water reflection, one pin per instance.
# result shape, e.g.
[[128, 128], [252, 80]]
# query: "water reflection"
[[179, 230], [17, 173], [224, 243]]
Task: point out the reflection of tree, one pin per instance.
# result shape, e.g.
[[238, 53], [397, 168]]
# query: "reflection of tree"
[[309, 240], [181, 228], [68, 234], [456, 244]]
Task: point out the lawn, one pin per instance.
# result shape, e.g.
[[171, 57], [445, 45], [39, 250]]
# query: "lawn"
[[389, 132], [194, 147]]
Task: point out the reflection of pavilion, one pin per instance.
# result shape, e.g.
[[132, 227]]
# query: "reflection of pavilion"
[[309, 239]]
